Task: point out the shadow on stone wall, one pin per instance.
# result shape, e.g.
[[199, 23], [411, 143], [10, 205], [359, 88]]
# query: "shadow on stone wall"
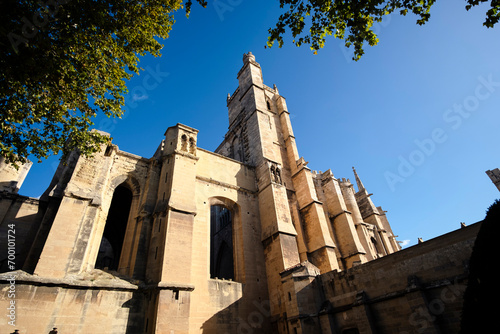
[[22, 227], [49, 211], [136, 315], [245, 316]]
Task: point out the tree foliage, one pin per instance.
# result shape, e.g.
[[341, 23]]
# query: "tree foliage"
[[64, 61], [311, 21]]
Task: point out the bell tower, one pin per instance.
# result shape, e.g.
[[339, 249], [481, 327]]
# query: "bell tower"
[[294, 225]]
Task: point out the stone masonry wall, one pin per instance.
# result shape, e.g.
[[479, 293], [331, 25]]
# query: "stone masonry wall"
[[20, 219], [416, 290], [91, 304]]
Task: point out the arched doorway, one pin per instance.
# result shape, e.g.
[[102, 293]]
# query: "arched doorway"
[[114, 232]]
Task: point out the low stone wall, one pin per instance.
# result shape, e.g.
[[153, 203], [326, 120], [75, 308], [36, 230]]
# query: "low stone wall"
[[419, 289], [94, 303]]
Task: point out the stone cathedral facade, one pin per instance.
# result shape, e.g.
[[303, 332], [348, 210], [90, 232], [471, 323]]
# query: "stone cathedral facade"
[[246, 239]]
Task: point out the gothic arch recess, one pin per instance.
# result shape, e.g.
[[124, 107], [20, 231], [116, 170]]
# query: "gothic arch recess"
[[226, 242], [118, 245], [128, 181], [110, 249]]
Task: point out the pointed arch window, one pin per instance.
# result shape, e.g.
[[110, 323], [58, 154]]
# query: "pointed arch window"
[[224, 267], [192, 146], [221, 243], [184, 143], [374, 242]]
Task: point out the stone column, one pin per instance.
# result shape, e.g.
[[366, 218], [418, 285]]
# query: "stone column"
[[342, 221], [320, 245]]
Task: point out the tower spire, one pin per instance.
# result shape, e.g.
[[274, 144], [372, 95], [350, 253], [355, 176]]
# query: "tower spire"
[[358, 180]]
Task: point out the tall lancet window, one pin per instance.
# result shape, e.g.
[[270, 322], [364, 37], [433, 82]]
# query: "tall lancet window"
[[221, 243]]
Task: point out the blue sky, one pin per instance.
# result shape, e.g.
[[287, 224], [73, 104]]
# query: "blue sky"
[[418, 115]]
